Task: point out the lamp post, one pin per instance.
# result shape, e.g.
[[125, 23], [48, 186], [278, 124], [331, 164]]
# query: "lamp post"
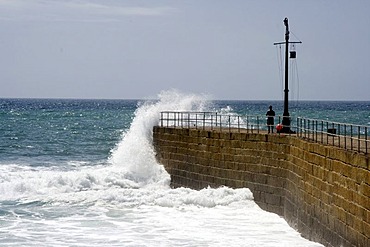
[[286, 116]]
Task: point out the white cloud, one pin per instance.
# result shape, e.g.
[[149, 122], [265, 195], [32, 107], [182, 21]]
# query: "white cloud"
[[119, 10], [64, 10]]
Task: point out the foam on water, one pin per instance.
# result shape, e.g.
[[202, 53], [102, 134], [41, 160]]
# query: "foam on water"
[[135, 152], [132, 163], [127, 201]]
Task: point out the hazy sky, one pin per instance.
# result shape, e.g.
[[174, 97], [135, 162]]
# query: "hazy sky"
[[135, 49]]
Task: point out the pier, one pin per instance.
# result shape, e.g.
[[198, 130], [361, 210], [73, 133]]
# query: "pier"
[[317, 177], [348, 136]]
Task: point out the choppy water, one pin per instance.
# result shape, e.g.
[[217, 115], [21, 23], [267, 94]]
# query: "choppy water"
[[83, 173]]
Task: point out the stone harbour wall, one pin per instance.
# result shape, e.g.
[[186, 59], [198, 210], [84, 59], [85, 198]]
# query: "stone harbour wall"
[[321, 191]]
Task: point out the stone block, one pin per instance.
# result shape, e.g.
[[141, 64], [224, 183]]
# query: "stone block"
[[273, 199], [364, 189], [328, 185], [366, 228]]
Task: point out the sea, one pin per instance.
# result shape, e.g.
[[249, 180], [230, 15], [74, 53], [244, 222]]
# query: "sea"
[[83, 173]]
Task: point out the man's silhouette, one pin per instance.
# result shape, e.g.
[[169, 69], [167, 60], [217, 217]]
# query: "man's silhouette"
[[270, 119]]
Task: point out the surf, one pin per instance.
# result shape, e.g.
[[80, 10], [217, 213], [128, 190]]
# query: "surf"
[[127, 199], [135, 153], [131, 164]]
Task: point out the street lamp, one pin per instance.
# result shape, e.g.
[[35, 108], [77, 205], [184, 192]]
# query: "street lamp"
[[286, 116]]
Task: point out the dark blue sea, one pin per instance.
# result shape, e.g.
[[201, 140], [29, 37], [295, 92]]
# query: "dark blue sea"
[[83, 173]]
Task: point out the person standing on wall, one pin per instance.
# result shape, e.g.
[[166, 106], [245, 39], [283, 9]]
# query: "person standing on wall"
[[270, 119]]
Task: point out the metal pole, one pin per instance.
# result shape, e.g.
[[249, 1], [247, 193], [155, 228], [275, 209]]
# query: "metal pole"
[[345, 136], [327, 135], [351, 137], [229, 124], [220, 123], [298, 127], [332, 126], [339, 144], [322, 131], [238, 123], [196, 120], [366, 140], [358, 137], [286, 118], [247, 124], [204, 120], [316, 128]]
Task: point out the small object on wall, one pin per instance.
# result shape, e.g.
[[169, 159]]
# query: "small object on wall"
[[279, 127]]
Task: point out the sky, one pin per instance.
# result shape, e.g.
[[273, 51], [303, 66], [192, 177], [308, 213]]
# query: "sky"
[[121, 49]]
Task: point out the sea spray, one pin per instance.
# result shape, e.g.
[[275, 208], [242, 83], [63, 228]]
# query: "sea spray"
[[135, 152], [97, 202], [132, 163]]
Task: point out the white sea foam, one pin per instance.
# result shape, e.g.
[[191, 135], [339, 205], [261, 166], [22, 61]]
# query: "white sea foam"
[[128, 201], [135, 152], [132, 163]]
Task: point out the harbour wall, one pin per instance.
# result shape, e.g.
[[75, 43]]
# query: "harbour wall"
[[321, 191]]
